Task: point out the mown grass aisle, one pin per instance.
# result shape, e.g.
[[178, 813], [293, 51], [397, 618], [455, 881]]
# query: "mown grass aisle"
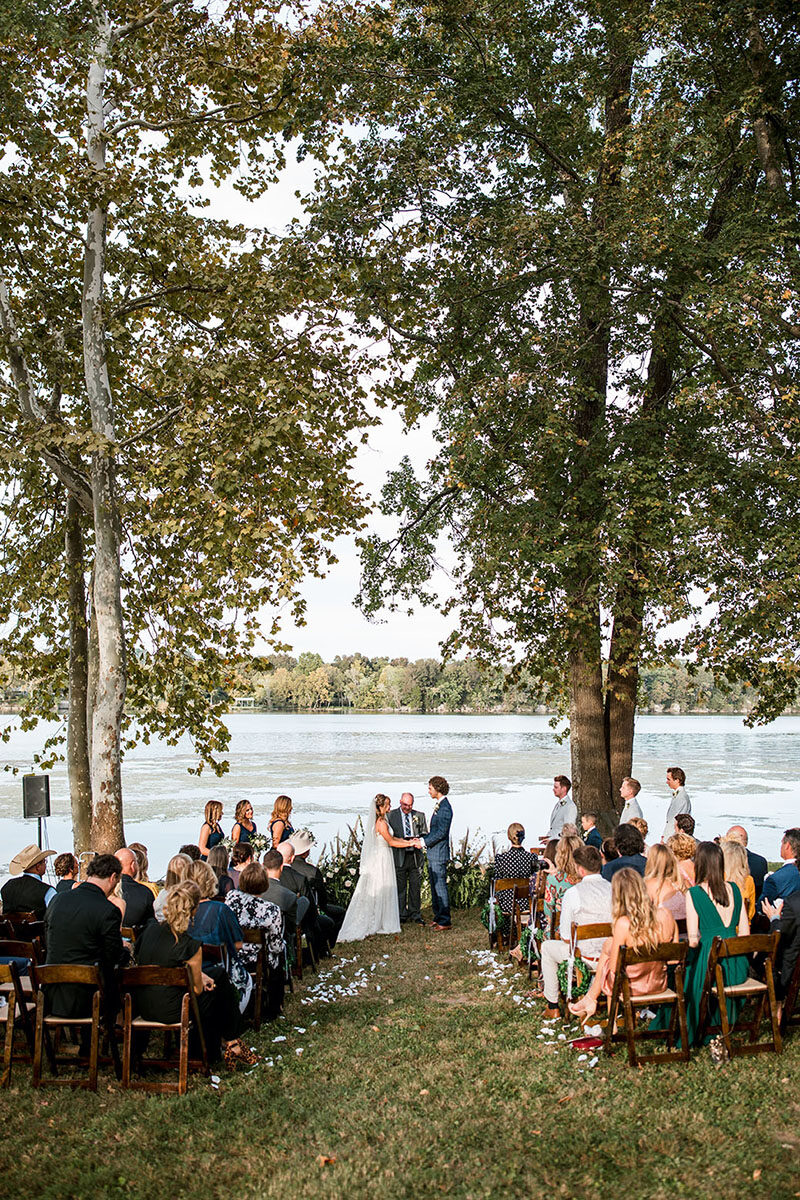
[[416, 1079]]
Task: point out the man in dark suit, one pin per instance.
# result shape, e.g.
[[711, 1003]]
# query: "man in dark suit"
[[29, 892], [83, 926], [407, 822], [330, 915], [591, 834], [757, 864], [138, 898], [784, 916], [314, 929], [630, 844], [286, 900], [437, 845]]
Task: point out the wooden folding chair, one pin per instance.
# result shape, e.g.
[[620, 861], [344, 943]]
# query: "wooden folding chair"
[[299, 935], [788, 1015], [763, 994], [584, 933], [25, 925], [23, 984], [504, 885], [257, 937], [133, 978], [521, 912], [9, 979], [537, 909], [669, 952], [44, 977]]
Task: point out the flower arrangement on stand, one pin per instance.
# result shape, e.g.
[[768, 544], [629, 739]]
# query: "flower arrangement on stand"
[[340, 863]]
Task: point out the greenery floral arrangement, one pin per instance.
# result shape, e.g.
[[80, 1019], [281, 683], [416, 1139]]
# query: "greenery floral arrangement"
[[501, 921], [340, 864], [467, 876], [259, 841], [581, 977], [525, 946]]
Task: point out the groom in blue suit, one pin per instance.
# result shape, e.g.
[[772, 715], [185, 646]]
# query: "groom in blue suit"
[[437, 845]]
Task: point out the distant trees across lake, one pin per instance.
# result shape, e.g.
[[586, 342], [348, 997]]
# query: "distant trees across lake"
[[378, 684]]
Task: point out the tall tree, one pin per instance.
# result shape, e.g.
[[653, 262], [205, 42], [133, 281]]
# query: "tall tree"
[[177, 396], [575, 225]]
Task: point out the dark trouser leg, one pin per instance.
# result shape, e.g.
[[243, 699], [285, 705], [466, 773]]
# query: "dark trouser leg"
[[402, 890], [336, 914], [414, 893], [439, 893], [219, 1012]]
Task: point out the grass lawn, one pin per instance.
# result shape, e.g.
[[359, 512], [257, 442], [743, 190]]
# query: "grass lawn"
[[420, 1083]]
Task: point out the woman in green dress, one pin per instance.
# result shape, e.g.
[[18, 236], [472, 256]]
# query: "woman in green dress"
[[714, 908]]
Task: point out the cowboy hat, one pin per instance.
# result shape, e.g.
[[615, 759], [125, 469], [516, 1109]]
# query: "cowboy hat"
[[301, 841], [26, 858]]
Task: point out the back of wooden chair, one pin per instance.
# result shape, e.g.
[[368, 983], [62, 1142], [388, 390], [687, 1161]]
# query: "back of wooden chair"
[[508, 885], [25, 925], [9, 981], [622, 995], [131, 980], [72, 973], [788, 1015], [257, 937], [6, 928], [26, 996], [763, 994]]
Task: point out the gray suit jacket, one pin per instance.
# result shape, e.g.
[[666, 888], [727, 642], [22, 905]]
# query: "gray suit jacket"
[[680, 803], [286, 902], [419, 826]]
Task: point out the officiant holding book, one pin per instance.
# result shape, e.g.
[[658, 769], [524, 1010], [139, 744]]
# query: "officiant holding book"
[[408, 822]]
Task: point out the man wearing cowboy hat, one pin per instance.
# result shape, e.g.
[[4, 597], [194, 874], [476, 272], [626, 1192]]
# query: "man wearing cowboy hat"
[[29, 893], [331, 915]]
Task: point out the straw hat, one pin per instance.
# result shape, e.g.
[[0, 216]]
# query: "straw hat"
[[301, 841], [26, 858]]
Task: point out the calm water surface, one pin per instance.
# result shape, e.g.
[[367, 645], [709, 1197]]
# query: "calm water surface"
[[500, 770]]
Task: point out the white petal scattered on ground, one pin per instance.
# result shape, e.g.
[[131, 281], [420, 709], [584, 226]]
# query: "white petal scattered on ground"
[[299, 1050], [562, 1037], [281, 1038], [594, 1061], [297, 1029], [215, 1078], [582, 1057]]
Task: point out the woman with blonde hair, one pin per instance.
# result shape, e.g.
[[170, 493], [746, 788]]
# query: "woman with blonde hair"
[[177, 870], [244, 826], [737, 871], [211, 832], [684, 847], [170, 944], [280, 827], [639, 925], [213, 924], [663, 882], [564, 876], [140, 850]]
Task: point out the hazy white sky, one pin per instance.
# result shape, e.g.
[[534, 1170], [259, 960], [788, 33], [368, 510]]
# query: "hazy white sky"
[[334, 626]]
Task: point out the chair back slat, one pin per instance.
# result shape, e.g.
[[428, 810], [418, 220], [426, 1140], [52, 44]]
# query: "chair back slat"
[[254, 936], [671, 952], [505, 885], [581, 933], [66, 973], [12, 948], [135, 977], [752, 943]]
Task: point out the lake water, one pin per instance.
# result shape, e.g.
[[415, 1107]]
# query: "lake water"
[[500, 769]]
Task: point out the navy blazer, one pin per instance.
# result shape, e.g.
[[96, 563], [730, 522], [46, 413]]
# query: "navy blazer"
[[594, 837], [437, 842]]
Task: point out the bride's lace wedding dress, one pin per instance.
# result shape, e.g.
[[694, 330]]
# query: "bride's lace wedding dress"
[[374, 907]]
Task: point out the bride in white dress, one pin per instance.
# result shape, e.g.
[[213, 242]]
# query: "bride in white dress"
[[374, 907]]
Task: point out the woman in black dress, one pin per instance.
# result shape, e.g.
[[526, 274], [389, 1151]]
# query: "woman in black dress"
[[168, 944], [514, 863]]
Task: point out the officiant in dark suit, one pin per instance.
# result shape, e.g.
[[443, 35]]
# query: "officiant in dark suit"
[[408, 822]]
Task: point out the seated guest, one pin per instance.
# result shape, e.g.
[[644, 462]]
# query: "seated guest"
[[288, 902], [587, 903], [608, 850], [684, 848], [548, 860], [784, 916], [640, 824], [218, 861], [30, 892], [514, 863], [591, 834], [629, 845], [83, 927], [301, 843], [684, 823], [213, 923], [138, 898], [564, 876], [297, 883], [191, 851], [663, 881], [140, 850], [639, 925], [757, 864], [736, 871], [177, 870], [786, 880], [241, 855], [253, 911], [66, 869], [714, 908], [169, 944], [629, 789]]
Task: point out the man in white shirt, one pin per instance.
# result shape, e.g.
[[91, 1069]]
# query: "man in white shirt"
[[565, 808], [587, 902], [629, 789], [680, 802]]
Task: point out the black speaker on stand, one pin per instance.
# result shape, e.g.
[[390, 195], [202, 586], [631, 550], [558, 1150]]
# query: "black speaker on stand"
[[36, 799]]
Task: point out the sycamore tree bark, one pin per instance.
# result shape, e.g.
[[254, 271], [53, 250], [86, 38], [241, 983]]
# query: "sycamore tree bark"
[[78, 771]]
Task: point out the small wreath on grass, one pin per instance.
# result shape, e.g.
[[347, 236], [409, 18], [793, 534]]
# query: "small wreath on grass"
[[501, 922], [581, 977]]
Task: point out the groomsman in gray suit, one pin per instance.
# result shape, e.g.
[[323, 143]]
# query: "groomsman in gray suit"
[[407, 822]]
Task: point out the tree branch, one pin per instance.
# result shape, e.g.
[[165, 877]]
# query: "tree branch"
[[123, 31]]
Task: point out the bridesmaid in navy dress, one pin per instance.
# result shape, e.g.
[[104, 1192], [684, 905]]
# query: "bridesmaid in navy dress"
[[280, 827], [211, 833], [245, 826]]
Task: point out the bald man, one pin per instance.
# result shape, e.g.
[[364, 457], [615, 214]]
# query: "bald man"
[[758, 865], [138, 898]]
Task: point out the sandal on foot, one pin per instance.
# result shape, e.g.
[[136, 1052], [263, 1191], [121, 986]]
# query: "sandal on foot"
[[238, 1055]]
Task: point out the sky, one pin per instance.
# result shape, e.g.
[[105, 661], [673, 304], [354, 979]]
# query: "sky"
[[333, 624]]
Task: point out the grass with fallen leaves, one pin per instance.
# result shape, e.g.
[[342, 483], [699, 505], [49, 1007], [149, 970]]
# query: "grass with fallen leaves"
[[414, 1067]]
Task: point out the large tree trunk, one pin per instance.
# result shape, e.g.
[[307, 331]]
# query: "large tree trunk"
[[80, 784], [622, 682], [106, 715], [590, 777]]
